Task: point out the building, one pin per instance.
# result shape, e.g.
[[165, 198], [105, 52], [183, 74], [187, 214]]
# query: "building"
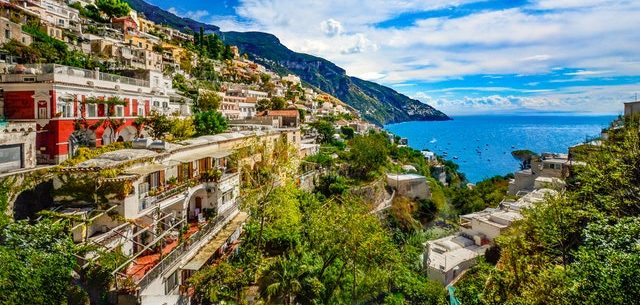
[[126, 24], [17, 146], [230, 106], [550, 167], [409, 185], [177, 212], [60, 98], [631, 108], [429, 155], [293, 79], [288, 118], [11, 30], [447, 258]]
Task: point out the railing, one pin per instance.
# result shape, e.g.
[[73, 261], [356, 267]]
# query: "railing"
[[108, 237], [168, 261], [152, 200], [42, 69]]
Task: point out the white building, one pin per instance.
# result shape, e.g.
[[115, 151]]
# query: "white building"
[[446, 258], [182, 201], [409, 185]]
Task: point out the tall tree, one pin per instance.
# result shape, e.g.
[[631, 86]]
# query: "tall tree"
[[210, 122], [113, 8]]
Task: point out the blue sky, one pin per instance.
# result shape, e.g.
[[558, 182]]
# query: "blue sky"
[[461, 56]]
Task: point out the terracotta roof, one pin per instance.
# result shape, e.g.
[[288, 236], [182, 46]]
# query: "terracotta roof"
[[286, 112]]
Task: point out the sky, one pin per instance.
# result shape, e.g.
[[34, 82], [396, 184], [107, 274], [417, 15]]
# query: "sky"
[[460, 56]]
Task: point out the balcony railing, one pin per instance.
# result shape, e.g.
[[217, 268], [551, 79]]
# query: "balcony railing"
[[149, 201], [54, 69], [190, 244]]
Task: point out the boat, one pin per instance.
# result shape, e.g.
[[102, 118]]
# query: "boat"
[[455, 158]]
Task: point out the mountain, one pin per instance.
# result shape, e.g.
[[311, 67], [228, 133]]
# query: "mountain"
[[376, 103], [161, 16]]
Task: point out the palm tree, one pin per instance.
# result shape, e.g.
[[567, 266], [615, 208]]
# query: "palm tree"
[[283, 280]]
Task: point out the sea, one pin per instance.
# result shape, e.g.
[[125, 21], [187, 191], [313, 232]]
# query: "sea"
[[482, 145]]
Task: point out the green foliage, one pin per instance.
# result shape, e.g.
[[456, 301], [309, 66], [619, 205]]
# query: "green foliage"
[[86, 153], [333, 185], [348, 132], [218, 284], [325, 131], [113, 8], [487, 193], [323, 159], [37, 261], [209, 122], [275, 103], [208, 101], [158, 125], [89, 11], [579, 247], [368, 155], [524, 156], [182, 129], [46, 49]]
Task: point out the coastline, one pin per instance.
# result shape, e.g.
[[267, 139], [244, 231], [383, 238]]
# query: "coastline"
[[481, 144]]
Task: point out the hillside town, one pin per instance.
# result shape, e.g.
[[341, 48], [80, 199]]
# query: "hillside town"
[[178, 171], [101, 114]]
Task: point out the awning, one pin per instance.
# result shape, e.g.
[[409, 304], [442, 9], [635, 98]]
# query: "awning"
[[147, 169], [203, 256], [201, 154]]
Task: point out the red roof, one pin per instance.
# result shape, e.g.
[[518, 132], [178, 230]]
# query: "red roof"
[[286, 112]]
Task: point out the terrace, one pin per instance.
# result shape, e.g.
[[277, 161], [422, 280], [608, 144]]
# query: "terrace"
[[144, 268], [20, 73]]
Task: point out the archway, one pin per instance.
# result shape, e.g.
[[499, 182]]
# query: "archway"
[[127, 134], [200, 206], [107, 136]]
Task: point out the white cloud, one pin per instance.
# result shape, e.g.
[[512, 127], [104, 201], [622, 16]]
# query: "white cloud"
[[585, 73], [584, 99], [597, 37], [331, 27], [195, 15]]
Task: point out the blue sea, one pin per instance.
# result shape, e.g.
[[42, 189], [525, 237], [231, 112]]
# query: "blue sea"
[[482, 145]]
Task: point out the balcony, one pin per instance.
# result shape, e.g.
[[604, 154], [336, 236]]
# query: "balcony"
[[157, 196], [53, 72], [145, 269]]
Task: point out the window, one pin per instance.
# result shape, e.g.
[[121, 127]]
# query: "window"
[[171, 282], [165, 105], [227, 196], [143, 188], [119, 111], [153, 180], [43, 113], [65, 109], [10, 157], [140, 110], [7, 33], [156, 104], [92, 110]]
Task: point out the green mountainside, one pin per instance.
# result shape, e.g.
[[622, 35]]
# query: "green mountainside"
[[376, 103]]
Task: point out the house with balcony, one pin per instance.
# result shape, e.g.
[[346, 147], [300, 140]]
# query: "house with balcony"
[[58, 97], [171, 211]]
